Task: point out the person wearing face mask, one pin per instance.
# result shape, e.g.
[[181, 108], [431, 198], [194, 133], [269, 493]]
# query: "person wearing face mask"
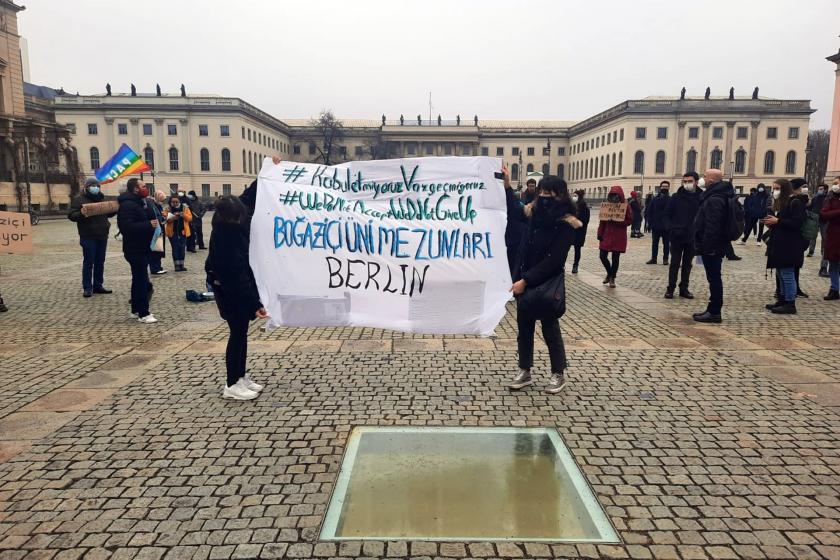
[[830, 219], [136, 222], [178, 217], [551, 223], [196, 239], [636, 209], [815, 206], [583, 214], [612, 237], [679, 220], [786, 246], [710, 239], [656, 219], [753, 212], [156, 257], [93, 237]]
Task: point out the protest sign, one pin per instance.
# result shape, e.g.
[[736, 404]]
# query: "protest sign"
[[100, 208], [414, 245], [15, 233], [613, 211]]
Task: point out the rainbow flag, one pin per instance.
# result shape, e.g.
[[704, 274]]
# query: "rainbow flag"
[[124, 162]]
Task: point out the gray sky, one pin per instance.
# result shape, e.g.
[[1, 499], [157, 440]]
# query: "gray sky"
[[523, 59]]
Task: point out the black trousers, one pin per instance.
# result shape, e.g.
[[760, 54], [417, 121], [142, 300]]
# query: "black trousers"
[[526, 326], [611, 268], [712, 264], [682, 255], [577, 255], [654, 252], [237, 350], [141, 287], [750, 225], [196, 235]]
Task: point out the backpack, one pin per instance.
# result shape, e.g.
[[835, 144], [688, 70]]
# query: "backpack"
[[735, 220], [811, 226]]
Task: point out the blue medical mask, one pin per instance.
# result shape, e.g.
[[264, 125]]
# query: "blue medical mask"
[[93, 190]]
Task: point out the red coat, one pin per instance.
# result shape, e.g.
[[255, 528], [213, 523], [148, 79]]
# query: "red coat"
[[613, 235], [830, 214]]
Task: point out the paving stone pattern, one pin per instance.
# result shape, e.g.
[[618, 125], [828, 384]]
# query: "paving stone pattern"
[[700, 441]]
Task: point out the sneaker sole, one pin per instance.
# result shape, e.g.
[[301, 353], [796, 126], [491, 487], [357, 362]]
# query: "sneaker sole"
[[234, 397], [520, 386], [555, 390]]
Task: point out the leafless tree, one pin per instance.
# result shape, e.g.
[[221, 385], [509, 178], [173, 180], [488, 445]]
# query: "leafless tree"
[[817, 160], [330, 133]]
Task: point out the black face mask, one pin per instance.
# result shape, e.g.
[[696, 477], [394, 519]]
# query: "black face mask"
[[613, 198], [663, 191], [545, 202]]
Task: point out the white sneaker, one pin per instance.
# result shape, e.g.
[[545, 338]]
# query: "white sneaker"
[[161, 271], [758, 242], [134, 316], [250, 384], [238, 392], [148, 319]]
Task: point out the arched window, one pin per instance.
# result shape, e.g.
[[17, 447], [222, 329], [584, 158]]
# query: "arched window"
[[204, 156], [586, 169], [740, 161], [545, 169], [691, 160], [612, 167], [561, 170], [149, 156], [173, 159], [244, 161], [790, 163], [769, 162], [716, 161], [225, 159], [660, 161], [529, 168], [620, 161], [604, 165], [514, 172], [639, 163], [250, 163], [94, 158]]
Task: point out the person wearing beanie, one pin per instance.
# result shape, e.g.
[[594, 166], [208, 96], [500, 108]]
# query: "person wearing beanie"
[[93, 238], [636, 209], [612, 237]]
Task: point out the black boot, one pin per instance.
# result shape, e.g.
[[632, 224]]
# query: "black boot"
[[684, 293], [3, 307], [823, 273], [786, 308], [574, 269], [832, 295], [772, 306], [800, 293]]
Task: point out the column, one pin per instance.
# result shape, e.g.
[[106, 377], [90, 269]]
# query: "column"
[[833, 168], [111, 148], [727, 152], [704, 147], [680, 148], [753, 147]]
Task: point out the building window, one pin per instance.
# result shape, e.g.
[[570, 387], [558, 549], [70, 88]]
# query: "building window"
[[71, 127], [561, 170], [172, 129], [173, 159], [244, 161], [716, 159], [147, 130], [149, 156], [94, 158], [740, 161], [586, 169], [430, 149], [772, 133], [769, 162], [296, 149], [447, 149], [514, 151], [224, 130], [311, 149], [620, 161], [660, 161], [741, 133], [204, 158], [205, 190], [342, 152], [93, 130], [793, 133], [561, 151], [545, 170], [608, 139], [790, 163], [122, 129], [514, 172], [639, 163], [358, 151], [662, 133], [243, 133], [717, 132], [529, 168], [500, 151], [691, 160], [249, 135], [641, 133], [530, 151], [615, 136], [225, 159], [250, 163], [485, 151], [621, 135], [202, 130], [545, 152], [173, 188], [226, 189]]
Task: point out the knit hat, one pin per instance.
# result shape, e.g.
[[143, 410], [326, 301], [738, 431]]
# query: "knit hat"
[[91, 182], [633, 194], [798, 183]]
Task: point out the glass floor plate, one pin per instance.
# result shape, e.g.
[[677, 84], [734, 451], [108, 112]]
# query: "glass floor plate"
[[463, 484]]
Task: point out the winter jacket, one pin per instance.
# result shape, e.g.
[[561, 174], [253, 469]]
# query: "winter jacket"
[[755, 207], [583, 214], [546, 242], [636, 209], [710, 224], [197, 209], [680, 213], [786, 246], [817, 203], [830, 215], [92, 227], [230, 274], [656, 212], [613, 235], [514, 231], [134, 220], [181, 224]]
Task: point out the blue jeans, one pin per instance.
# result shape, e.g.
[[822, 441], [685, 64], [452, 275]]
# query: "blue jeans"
[[788, 279], [834, 274], [712, 264], [179, 248], [93, 262]]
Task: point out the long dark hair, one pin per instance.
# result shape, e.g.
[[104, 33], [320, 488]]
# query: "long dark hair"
[[556, 186], [229, 210], [784, 199]]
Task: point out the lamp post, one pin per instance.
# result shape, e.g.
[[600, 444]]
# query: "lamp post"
[[548, 143], [807, 154], [519, 176]]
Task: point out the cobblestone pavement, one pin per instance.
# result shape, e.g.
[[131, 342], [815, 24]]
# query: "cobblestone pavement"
[[700, 441]]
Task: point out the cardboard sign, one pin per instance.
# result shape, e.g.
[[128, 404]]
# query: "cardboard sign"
[[15, 233], [613, 211], [100, 208]]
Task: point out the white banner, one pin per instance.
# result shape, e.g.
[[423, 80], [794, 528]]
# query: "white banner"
[[415, 245]]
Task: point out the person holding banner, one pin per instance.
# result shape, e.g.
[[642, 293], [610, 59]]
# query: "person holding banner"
[[93, 237], [178, 220], [612, 236], [235, 290], [136, 222], [551, 223]]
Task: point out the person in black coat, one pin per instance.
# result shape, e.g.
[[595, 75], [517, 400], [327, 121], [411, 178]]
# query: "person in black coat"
[[656, 219], [636, 209], [235, 289], [679, 220], [550, 234], [711, 241], [93, 237], [136, 222], [196, 238], [514, 231], [583, 214], [786, 245]]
